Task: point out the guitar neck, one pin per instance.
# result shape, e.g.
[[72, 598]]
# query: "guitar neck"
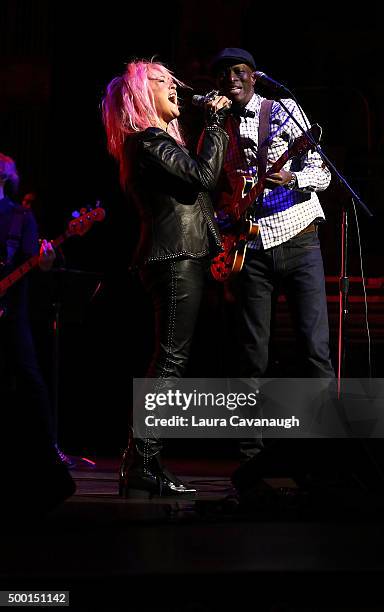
[[25, 267]]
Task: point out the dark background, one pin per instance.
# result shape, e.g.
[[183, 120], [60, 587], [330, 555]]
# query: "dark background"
[[56, 59]]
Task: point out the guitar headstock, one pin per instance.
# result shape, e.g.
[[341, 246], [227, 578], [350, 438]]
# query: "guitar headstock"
[[302, 144], [84, 220]]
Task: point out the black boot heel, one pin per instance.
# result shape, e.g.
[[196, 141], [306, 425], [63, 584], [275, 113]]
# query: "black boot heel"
[[136, 482]]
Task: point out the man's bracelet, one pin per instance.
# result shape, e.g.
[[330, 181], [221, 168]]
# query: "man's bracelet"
[[293, 182]]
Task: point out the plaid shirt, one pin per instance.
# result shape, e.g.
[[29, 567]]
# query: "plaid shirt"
[[281, 213]]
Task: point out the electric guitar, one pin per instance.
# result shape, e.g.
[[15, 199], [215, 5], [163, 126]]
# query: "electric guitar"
[[76, 227], [242, 229]]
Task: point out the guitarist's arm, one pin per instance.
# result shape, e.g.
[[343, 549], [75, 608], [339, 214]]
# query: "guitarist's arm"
[[314, 175]]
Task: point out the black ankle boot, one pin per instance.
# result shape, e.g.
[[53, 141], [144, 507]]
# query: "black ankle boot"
[[146, 477]]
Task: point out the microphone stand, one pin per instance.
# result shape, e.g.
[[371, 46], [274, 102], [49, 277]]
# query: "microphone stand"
[[343, 300], [343, 280], [71, 461]]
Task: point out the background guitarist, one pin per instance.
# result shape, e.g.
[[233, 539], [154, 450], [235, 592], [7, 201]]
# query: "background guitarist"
[[32, 474], [18, 242], [286, 252]]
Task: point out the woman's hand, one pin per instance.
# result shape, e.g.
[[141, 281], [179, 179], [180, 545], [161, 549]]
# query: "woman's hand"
[[219, 102], [217, 111]]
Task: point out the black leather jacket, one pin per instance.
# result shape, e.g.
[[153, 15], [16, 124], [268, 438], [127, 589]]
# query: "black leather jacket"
[[170, 190]]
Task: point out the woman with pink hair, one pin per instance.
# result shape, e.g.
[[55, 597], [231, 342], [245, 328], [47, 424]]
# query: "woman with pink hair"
[[170, 189]]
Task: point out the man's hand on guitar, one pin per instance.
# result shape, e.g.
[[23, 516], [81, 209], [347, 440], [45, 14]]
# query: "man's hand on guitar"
[[280, 178], [47, 256]]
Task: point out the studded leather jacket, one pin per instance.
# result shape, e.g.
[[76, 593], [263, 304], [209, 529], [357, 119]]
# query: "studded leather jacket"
[[170, 189]]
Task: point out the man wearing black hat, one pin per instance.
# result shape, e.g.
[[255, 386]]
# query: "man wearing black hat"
[[285, 253]]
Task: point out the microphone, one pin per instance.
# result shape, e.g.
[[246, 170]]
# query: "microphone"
[[203, 100], [273, 85], [200, 100]]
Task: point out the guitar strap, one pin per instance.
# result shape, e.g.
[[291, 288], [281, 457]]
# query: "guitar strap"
[[263, 137], [14, 236]]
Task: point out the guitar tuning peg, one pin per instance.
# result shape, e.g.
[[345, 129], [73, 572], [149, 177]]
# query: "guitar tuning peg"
[[75, 214]]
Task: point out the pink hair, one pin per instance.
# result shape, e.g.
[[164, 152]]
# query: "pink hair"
[[128, 107]]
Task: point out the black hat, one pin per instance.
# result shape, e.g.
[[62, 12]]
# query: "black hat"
[[241, 56]]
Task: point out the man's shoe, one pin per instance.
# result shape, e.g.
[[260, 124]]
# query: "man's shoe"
[[246, 476], [285, 458]]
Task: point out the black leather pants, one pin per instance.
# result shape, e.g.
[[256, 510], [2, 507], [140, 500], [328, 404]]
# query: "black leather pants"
[[176, 288]]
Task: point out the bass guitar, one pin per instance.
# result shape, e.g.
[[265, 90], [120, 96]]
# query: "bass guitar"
[[241, 229], [76, 227]]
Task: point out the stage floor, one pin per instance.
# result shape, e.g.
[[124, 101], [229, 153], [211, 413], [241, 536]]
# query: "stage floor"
[[205, 551]]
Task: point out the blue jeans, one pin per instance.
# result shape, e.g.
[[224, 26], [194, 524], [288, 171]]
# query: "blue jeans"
[[296, 267]]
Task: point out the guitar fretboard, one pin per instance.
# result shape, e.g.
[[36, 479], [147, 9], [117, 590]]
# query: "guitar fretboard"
[[259, 187], [32, 262]]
